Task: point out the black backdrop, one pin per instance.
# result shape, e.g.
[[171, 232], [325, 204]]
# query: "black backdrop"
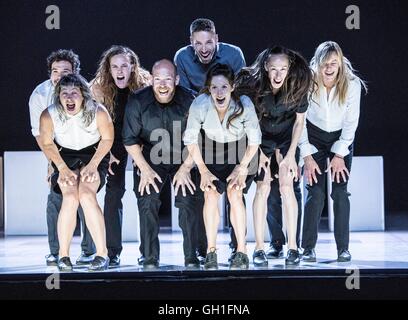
[[155, 29]]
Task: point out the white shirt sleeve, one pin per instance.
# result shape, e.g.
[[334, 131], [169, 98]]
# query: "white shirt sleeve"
[[36, 108], [194, 122], [306, 148], [350, 121]]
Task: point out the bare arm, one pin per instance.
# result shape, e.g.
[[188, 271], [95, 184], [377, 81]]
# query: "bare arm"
[[105, 128]]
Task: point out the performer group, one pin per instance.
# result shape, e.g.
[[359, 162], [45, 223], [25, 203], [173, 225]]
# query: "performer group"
[[208, 124]]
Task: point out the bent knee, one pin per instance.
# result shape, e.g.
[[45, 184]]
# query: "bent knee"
[[263, 189]]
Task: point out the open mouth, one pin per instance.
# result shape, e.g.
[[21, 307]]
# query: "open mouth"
[[121, 78], [163, 92], [329, 74], [277, 82], [205, 55], [70, 106], [220, 101]]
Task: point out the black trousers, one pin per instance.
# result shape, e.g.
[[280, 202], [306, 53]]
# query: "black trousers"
[[54, 202], [149, 206], [323, 141], [113, 208]]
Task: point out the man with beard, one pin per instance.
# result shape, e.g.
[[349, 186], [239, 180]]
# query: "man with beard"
[[155, 119]]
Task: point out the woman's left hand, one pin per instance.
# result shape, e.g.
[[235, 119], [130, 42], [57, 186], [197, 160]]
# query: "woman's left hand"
[[338, 169], [238, 177], [89, 173]]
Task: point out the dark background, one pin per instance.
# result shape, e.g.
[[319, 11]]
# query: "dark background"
[[156, 29]]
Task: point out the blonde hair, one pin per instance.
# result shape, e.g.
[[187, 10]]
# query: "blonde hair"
[[346, 71]]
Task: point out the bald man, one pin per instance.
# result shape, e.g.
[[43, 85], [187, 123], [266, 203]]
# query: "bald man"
[[155, 118]]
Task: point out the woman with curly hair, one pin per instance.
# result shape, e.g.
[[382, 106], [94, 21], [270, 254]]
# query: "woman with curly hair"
[[76, 134], [119, 74], [278, 81]]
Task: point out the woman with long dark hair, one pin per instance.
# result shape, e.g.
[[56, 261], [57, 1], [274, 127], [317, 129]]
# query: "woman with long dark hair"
[[278, 82], [230, 128], [329, 133]]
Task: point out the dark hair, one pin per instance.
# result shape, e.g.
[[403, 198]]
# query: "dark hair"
[[64, 55], [202, 24], [224, 70], [254, 80]]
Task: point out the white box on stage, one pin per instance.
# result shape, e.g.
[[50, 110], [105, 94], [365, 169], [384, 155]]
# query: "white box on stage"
[[26, 192], [366, 186]]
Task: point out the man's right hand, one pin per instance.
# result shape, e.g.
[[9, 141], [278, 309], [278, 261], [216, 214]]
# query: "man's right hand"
[[147, 177]]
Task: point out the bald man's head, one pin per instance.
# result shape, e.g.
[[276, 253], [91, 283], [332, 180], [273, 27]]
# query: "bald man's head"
[[166, 64], [165, 80]]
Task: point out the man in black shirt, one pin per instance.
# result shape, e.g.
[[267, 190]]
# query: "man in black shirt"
[[155, 119]]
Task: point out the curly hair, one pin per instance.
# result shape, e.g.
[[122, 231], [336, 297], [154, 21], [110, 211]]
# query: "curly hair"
[[64, 55], [254, 80], [139, 77]]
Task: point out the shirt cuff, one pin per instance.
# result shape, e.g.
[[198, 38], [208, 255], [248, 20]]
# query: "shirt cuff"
[[340, 148], [35, 132], [132, 141], [307, 150]]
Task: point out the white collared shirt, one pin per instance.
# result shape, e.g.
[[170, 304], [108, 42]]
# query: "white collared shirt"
[[329, 115], [203, 115], [40, 99]]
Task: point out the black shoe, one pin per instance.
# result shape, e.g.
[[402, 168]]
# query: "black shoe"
[[239, 262], [343, 256], [51, 260], [274, 252], [259, 258], [211, 261], [309, 255], [292, 258], [64, 264], [192, 263], [85, 259], [140, 260], [99, 264], [150, 263], [201, 259], [232, 255], [114, 261]]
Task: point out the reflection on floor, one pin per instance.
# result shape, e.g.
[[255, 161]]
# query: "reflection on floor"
[[370, 250]]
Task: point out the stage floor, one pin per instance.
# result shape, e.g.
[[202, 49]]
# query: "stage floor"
[[370, 250]]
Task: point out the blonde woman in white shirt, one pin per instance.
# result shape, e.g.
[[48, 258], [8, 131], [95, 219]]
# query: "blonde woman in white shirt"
[[76, 135], [226, 121], [332, 120]]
